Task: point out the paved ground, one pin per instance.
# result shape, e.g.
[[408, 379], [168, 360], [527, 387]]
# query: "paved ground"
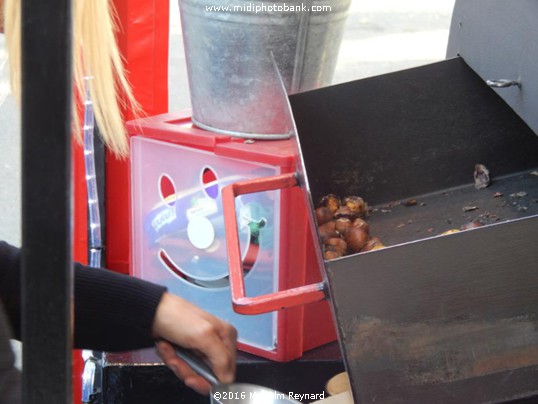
[[9, 158], [380, 36]]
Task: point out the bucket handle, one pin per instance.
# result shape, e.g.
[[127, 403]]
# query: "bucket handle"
[[272, 301]]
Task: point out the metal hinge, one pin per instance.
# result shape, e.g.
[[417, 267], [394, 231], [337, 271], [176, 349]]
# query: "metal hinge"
[[91, 379]]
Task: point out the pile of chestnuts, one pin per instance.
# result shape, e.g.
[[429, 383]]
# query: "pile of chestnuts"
[[342, 227]]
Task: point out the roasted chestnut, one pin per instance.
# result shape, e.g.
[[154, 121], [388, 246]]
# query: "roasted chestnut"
[[330, 201], [356, 204], [481, 176], [373, 243], [344, 212], [362, 224], [323, 215], [327, 231], [324, 236], [330, 226], [336, 244], [330, 255], [356, 238], [342, 225]]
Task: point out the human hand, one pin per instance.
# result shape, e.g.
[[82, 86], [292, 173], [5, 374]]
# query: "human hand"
[[180, 322]]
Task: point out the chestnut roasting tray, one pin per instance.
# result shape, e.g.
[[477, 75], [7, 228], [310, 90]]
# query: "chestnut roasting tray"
[[431, 318]]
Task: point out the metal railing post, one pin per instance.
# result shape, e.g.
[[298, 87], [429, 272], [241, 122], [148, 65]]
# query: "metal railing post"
[[46, 201]]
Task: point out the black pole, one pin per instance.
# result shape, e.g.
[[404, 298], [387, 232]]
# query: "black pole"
[[46, 193]]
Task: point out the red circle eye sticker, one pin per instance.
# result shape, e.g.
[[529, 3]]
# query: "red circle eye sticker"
[[210, 182], [167, 189]]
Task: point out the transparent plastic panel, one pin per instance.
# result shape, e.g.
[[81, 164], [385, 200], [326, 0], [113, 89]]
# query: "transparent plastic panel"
[[178, 230]]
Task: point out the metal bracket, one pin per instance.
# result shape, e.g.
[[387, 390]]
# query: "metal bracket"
[[503, 83], [91, 380]]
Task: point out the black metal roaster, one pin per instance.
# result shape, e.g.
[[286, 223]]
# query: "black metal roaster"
[[432, 318]]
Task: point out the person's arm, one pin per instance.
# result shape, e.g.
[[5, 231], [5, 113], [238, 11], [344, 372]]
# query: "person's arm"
[[119, 312], [116, 312], [112, 311]]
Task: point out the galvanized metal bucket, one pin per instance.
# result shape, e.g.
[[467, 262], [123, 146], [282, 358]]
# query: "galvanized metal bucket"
[[238, 53]]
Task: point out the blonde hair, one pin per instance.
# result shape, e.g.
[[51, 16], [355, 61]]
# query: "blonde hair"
[[95, 54]]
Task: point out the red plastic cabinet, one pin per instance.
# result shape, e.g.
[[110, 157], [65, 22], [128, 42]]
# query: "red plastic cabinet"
[[178, 235]]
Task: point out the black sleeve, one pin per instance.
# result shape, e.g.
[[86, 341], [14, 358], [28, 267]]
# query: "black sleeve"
[[10, 286], [113, 312]]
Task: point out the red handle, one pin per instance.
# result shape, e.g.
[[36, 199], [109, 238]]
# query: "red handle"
[[271, 301]]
